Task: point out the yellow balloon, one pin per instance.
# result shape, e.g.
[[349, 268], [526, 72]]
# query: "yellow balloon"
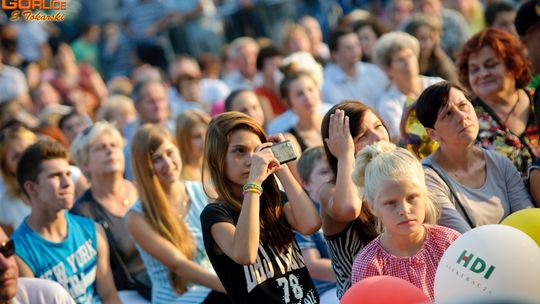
[[526, 220]]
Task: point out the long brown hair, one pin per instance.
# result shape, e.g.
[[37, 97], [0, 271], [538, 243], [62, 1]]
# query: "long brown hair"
[[275, 229], [356, 111], [157, 210], [185, 123]]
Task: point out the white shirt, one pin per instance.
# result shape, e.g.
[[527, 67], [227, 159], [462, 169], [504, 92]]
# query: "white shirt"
[[368, 86], [33, 290], [236, 81], [391, 105]]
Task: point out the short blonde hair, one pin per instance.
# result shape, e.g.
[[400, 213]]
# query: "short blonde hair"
[[383, 161], [115, 104], [80, 148]]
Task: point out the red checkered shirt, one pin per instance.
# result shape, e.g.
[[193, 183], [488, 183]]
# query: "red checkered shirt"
[[419, 269]]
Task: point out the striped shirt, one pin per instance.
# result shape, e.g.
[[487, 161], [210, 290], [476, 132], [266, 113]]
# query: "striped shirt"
[[162, 290], [343, 248]]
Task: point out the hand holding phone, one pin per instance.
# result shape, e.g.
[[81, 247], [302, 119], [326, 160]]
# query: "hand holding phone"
[[284, 151]]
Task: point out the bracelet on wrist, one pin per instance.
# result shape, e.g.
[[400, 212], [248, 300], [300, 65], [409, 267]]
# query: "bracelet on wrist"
[[252, 185], [251, 190]]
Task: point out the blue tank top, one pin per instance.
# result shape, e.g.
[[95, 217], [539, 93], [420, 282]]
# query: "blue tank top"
[[72, 262]]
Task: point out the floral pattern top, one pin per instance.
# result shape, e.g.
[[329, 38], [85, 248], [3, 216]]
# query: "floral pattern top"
[[521, 149]]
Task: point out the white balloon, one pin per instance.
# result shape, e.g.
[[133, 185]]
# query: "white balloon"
[[489, 262]]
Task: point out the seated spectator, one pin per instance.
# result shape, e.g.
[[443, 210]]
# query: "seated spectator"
[[247, 102], [85, 48], [455, 31], [348, 226], [211, 91], [13, 203], [98, 151], [314, 172], [72, 124], [301, 93], [13, 83], [268, 62], [295, 39], [397, 12], [392, 182], [191, 131], [501, 15], [319, 49], [368, 31], [78, 84], [243, 52], [347, 77], [493, 65], [43, 174], [433, 60], [165, 223], [396, 53], [472, 11], [25, 290], [472, 186], [118, 110]]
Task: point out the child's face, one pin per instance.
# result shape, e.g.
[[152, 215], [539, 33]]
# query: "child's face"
[[320, 175], [400, 205], [242, 145]]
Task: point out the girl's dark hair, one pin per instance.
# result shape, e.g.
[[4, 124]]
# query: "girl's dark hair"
[[356, 111], [432, 100], [275, 229], [232, 97]]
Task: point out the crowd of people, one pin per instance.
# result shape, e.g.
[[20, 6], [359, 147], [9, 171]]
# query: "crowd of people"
[[136, 141]]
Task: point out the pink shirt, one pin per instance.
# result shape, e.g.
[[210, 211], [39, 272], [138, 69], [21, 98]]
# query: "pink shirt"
[[419, 269]]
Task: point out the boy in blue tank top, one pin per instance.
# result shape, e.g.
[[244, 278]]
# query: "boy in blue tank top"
[[53, 244]]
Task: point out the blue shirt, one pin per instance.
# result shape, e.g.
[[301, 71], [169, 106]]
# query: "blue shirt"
[[72, 262]]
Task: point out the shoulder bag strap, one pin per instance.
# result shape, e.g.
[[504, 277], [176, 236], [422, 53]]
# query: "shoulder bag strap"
[[453, 192]]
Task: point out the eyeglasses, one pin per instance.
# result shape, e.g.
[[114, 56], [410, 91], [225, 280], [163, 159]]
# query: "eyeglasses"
[[7, 248]]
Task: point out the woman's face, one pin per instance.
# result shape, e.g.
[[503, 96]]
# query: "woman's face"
[[242, 145], [488, 74], [304, 96], [403, 65], [197, 139], [248, 103], [367, 37], [371, 130], [457, 122], [427, 39], [15, 148], [105, 156], [166, 163]]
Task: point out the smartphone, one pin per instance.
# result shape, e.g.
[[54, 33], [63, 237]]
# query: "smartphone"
[[284, 151]]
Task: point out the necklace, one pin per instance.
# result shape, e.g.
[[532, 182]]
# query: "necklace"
[[511, 110]]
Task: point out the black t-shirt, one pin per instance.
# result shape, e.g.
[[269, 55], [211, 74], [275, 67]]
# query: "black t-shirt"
[[273, 278], [118, 237]]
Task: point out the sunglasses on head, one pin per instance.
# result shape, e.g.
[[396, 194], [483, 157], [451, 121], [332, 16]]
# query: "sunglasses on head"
[[7, 248]]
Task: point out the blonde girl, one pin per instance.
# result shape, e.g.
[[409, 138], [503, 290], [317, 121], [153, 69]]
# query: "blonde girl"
[[248, 229], [392, 182], [165, 222]]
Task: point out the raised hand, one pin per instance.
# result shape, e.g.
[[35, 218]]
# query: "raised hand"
[[339, 141]]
